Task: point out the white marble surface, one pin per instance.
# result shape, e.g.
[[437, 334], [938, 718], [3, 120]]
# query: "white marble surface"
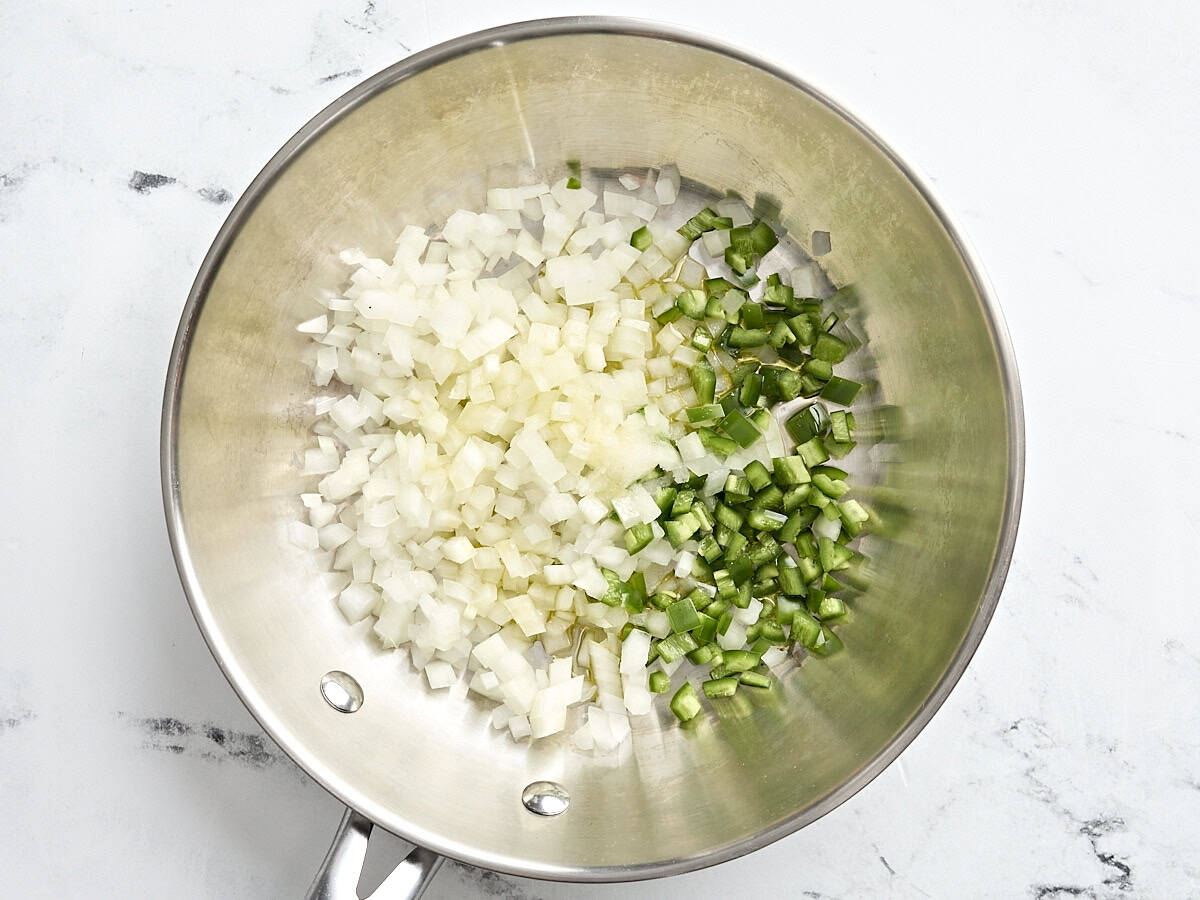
[[1065, 138]]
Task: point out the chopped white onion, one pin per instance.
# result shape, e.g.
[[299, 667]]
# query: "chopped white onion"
[[734, 637], [634, 651], [827, 528], [316, 325], [750, 614], [303, 535], [440, 674], [736, 210], [774, 656], [667, 186], [804, 283]]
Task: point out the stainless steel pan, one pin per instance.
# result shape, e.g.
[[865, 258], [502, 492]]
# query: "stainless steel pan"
[[945, 474]]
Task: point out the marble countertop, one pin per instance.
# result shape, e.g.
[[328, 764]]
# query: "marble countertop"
[[1067, 761]]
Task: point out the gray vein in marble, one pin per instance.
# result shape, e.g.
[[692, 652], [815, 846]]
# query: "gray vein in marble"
[[893, 874], [365, 20], [1142, 425], [1175, 648], [369, 22], [1079, 574], [1186, 296], [263, 81], [492, 884], [1095, 829], [145, 182], [206, 741], [1079, 579], [349, 73], [11, 181], [215, 195], [1052, 891], [1079, 270], [291, 90], [15, 718], [1119, 879]]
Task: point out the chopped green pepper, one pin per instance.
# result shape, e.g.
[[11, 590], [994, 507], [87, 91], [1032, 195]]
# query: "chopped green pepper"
[[685, 704]]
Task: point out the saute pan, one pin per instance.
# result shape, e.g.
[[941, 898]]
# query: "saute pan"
[[942, 459]]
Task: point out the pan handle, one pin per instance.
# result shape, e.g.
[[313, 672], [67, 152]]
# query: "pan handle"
[[337, 879]]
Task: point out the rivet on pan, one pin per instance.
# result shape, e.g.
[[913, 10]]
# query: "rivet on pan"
[[341, 691], [546, 798]]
